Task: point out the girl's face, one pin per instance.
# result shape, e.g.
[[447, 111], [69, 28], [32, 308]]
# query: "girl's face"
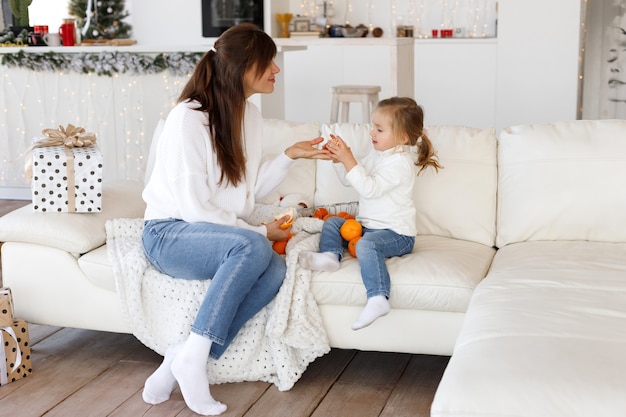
[[382, 132], [263, 84]]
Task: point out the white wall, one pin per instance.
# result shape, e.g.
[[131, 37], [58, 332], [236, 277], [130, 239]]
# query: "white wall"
[[536, 63], [538, 50], [167, 22], [180, 23]]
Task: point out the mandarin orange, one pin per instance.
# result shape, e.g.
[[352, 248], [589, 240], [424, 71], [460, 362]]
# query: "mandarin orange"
[[320, 212], [352, 246], [280, 247], [350, 229]]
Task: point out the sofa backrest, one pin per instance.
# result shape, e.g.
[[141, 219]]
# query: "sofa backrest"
[[562, 181], [299, 184], [459, 201]]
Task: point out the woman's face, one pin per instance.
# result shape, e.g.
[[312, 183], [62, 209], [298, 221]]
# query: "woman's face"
[[617, 62], [263, 84]]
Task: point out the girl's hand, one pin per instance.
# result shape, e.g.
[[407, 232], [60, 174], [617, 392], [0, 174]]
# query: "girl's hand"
[[341, 152], [307, 149], [275, 233]]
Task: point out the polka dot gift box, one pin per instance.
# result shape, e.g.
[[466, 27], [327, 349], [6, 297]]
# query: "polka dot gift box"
[[15, 355], [66, 171], [6, 307]]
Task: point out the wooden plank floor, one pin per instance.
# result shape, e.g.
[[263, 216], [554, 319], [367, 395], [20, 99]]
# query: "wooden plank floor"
[[88, 373]]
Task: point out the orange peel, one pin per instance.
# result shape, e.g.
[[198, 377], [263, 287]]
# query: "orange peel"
[[286, 224]]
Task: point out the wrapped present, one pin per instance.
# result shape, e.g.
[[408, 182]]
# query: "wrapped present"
[[15, 358], [66, 170], [6, 307]]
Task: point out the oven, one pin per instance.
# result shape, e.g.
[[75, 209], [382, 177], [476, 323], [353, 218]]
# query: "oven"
[[219, 15]]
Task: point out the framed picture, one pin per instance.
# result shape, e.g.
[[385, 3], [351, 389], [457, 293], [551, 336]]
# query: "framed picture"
[[604, 41], [301, 25]]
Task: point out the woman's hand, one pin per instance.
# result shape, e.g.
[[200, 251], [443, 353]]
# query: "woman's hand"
[[341, 152], [307, 149], [275, 233]]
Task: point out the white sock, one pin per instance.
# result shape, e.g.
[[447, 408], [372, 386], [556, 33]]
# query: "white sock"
[[376, 307], [189, 367], [161, 383], [319, 261]]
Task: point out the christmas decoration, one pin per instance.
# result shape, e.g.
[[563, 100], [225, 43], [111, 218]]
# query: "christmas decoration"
[[101, 19], [105, 63], [19, 9]]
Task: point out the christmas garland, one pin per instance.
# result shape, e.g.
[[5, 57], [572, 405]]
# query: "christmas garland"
[[105, 63]]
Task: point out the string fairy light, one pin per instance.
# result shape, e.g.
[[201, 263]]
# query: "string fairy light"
[[119, 108]]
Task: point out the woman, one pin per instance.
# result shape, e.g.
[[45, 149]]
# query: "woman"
[[208, 172]]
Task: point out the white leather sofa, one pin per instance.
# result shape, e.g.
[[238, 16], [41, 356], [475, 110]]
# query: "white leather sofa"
[[518, 272], [544, 334]]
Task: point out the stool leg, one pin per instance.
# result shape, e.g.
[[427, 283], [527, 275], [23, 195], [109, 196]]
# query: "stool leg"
[[373, 102], [345, 111], [365, 106], [334, 110]]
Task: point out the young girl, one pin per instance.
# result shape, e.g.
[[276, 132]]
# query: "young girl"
[[384, 180]]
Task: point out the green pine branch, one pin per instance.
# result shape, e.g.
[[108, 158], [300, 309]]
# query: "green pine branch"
[[19, 9]]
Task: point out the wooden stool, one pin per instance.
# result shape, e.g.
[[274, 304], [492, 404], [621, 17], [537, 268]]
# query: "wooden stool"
[[343, 95]]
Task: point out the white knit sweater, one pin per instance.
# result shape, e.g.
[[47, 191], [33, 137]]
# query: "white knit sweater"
[[184, 182]]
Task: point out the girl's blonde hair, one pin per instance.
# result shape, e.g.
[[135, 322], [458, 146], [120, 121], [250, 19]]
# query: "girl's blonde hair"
[[407, 120]]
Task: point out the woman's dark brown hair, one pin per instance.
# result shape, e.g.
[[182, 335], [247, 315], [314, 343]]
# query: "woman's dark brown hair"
[[217, 85], [408, 121]]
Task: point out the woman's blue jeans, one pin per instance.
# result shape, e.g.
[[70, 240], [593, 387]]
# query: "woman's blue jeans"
[[245, 272], [371, 250]]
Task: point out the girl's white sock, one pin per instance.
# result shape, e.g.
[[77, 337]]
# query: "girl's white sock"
[[189, 367], [376, 307], [319, 261]]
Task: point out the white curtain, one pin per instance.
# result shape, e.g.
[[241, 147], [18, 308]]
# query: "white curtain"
[[122, 110], [604, 69]]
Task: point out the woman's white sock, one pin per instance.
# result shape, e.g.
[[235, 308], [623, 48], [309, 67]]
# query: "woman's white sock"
[[189, 367], [161, 383]]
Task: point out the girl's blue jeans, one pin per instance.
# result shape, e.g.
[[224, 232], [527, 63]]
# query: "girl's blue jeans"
[[245, 272], [371, 250]]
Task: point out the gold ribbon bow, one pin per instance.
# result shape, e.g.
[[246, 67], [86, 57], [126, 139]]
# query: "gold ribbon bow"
[[69, 137]]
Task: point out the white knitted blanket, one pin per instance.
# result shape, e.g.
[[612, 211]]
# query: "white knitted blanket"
[[275, 346]]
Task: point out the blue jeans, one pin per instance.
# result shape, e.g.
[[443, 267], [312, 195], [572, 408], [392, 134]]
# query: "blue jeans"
[[245, 272], [371, 251]]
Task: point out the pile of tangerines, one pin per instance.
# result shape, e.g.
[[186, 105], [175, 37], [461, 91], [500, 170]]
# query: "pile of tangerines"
[[350, 230]]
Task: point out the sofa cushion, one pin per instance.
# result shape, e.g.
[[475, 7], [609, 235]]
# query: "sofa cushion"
[[457, 202], [278, 135], [562, 181], [440, 275], [543, 336], [74, 232], [97, 268]]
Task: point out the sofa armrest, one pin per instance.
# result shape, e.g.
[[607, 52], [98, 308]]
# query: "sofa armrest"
[[74, 232]]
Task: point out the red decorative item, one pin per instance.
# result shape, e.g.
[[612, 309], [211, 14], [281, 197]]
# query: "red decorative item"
[[67, 31]]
